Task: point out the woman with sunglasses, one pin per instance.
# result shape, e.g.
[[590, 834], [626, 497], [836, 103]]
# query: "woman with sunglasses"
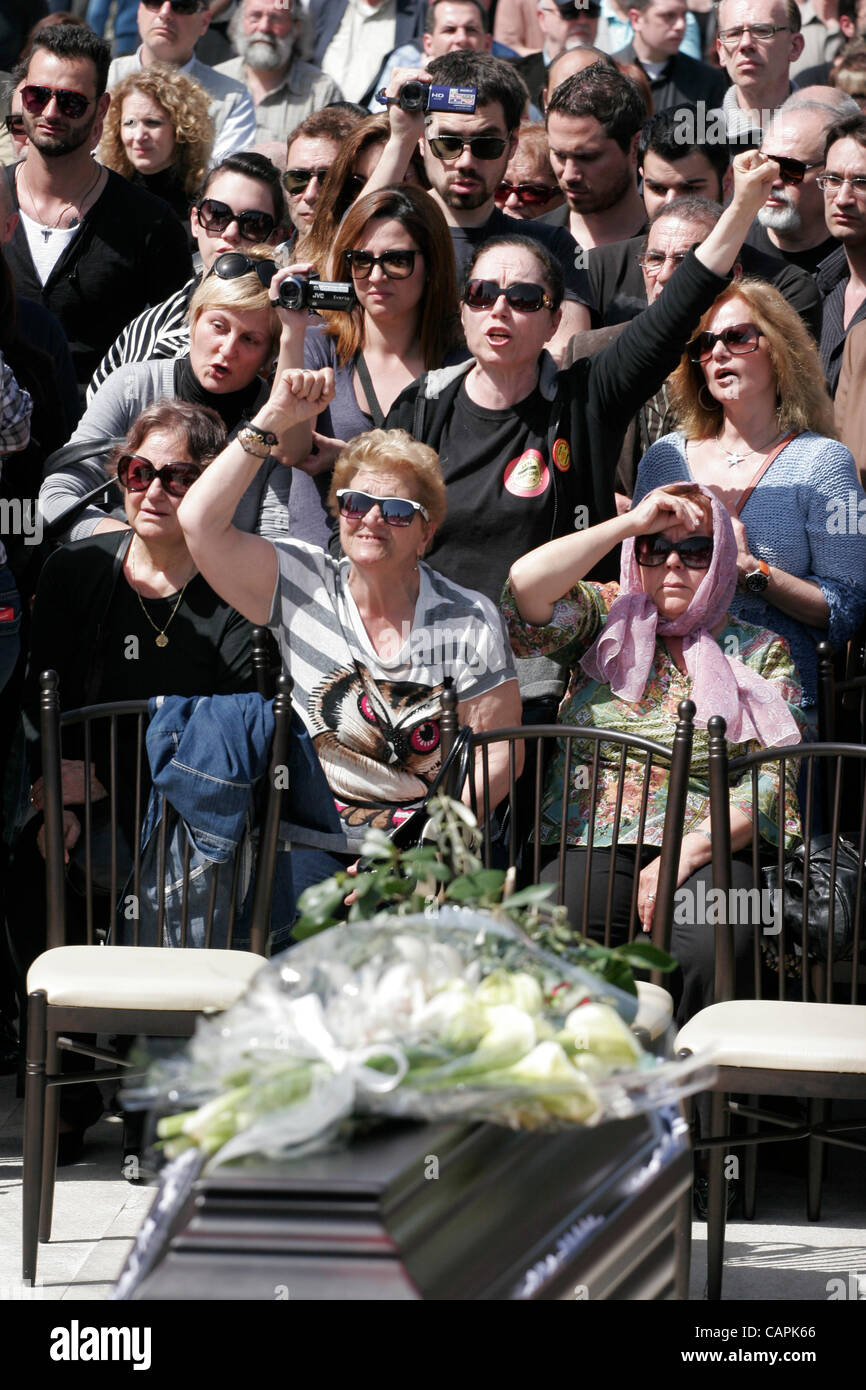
[[235, 333], [394, 248], [529, 188], [358, 157], [756, 427], [634, 651], [158, 133], [368, 639], [527, 451]]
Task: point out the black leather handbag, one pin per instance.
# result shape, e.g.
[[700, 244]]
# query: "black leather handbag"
[[843, 904]]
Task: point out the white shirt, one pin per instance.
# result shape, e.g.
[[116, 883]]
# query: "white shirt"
[[355, 55], [47, 244]]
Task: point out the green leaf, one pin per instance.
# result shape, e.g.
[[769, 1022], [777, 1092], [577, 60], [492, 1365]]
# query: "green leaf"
[[535, 893], [320, 900], [643, 955], [306, 927]]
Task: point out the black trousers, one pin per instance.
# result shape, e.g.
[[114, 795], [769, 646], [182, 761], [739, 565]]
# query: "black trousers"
[[692, 942]]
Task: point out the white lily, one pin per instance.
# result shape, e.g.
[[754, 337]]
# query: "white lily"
[[503, 987], [598, 1029]]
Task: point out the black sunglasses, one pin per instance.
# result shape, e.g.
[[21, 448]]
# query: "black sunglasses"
[[739, 339], [525, 298], [397, 511], [73, 105], [397, 265], [14, 123], [452, 146], [793, 170], [232, 264], [527, 194], [215, 216], [696, 552], [136, 474], [177, 6], [296, 180]]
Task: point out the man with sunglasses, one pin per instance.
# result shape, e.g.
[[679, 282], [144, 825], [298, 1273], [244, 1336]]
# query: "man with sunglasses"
[[265, 34], [66, 252], [792, 222], [240, 203], [465, 157], [757, 41], [311, 149], [169, 30]]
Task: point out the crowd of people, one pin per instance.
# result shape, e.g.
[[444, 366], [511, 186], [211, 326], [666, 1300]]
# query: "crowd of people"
[[550, 385]]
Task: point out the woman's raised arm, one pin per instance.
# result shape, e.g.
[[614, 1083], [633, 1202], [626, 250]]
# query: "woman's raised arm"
[[242, 568]]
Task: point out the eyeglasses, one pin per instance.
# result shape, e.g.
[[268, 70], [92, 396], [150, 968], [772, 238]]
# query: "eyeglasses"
[[793, 170], [253, 225], [832, 184], [653, 261], [696, 552], [296, 180], [730, 38], [232, 264], [527, 194], [397, 265], [739, 339], [355, 184], [397, 511], [177, 6], [136, 474], [525, 298], [452, 146], [70, 104], [14, 123]]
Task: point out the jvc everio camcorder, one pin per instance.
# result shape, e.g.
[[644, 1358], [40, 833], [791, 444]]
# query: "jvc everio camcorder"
[[302, 292], [425, 96]]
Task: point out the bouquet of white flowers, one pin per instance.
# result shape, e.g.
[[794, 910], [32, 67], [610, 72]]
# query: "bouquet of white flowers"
[[451, 1014]]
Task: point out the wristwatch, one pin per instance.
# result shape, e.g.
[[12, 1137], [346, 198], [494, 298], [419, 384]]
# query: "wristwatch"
[[759, 579], [256, 441]]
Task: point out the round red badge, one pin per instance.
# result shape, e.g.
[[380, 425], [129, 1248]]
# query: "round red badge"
[[561, 455], [528, 475]]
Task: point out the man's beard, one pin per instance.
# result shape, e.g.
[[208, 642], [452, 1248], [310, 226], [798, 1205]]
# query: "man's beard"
[[785, 219], [600, 202], [55, 146], [267, 54], [466, 201]]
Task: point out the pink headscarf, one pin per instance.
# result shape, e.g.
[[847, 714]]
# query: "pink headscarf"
[[622, 655]]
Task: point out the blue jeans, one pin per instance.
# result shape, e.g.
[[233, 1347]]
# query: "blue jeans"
[[311, 866]]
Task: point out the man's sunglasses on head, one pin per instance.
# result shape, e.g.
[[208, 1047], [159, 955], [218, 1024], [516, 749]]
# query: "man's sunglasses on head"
[[73, 105], [215, 217]]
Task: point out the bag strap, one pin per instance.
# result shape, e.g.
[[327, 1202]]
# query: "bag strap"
[[760, 471], [366, 381]]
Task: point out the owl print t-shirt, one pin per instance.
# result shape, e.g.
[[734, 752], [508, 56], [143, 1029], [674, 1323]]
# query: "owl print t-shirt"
[[374, 719]]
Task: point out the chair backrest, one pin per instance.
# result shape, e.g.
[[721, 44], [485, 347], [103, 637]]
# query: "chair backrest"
[[841, 701], [586, 753], [108, 859], [808, 901]]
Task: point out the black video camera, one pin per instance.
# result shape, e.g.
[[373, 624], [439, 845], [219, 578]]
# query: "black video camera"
[[426, 96], [302, 292]]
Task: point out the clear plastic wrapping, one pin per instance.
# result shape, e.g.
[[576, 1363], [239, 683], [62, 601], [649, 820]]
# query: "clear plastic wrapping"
[[444, 1016]]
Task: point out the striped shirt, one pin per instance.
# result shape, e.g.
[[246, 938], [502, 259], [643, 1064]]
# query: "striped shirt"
[[161, 331], [374, 718]]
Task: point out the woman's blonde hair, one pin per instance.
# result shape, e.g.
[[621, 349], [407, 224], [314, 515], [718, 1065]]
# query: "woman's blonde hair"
[[242, 293], [389, 451], [802, 399], [186, 105]]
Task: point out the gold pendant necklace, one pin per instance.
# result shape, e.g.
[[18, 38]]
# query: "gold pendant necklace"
[[160, 639]]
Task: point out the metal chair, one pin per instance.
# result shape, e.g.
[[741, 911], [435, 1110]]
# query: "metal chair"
[[655, 1004], [812, 1048], [123, 989]]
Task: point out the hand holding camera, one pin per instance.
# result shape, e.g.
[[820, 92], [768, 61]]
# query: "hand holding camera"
[[298, 289]]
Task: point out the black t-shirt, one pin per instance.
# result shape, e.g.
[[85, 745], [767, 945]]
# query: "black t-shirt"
[[806, 260], [559, 242], [503, 493]]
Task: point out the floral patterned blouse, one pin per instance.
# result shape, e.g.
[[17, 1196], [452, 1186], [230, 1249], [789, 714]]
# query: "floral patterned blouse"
[[576, 622]]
